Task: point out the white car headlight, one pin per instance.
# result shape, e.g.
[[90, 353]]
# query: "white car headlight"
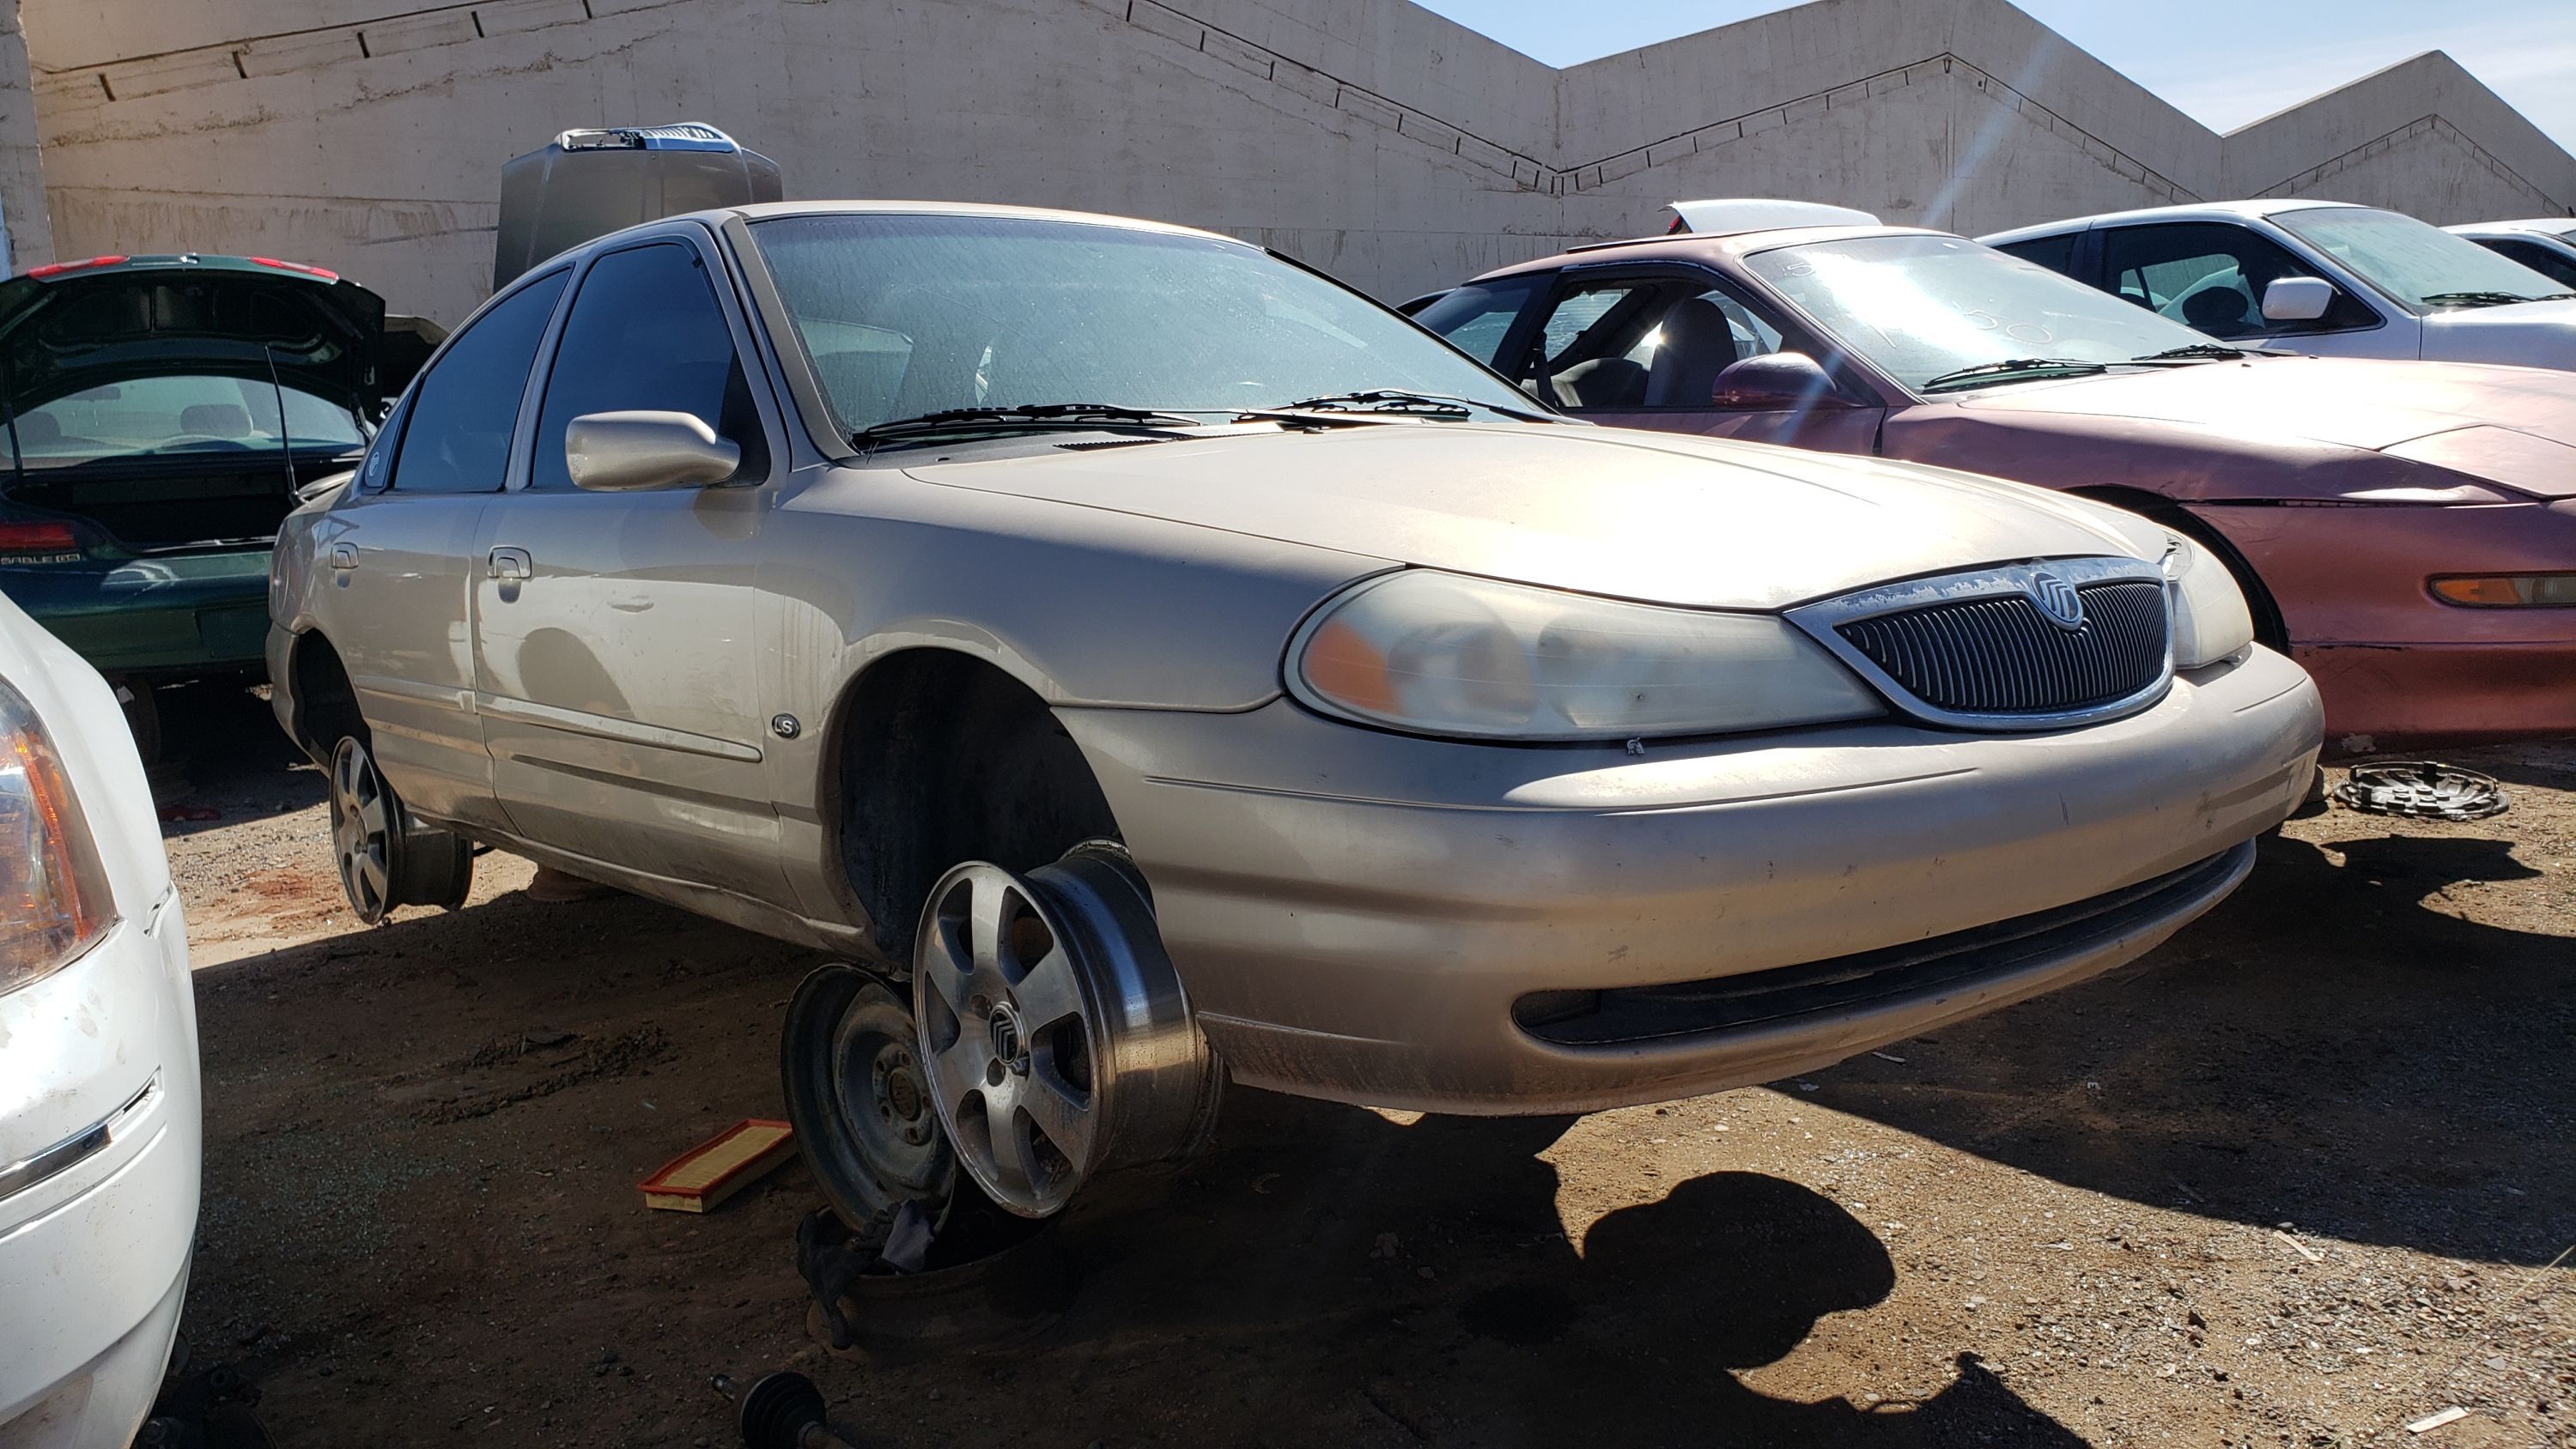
[[2210, 620], [1442, 654]]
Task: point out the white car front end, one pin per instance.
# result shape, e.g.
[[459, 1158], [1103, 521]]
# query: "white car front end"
[[100, 1122]]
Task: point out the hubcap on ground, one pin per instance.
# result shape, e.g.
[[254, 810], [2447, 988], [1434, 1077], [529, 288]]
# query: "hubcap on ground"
[[362, 830], [1054, 1034]]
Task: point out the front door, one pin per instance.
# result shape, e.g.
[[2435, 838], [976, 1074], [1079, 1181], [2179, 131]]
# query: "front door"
[[400, 552], [1645, 351], [618, 662]]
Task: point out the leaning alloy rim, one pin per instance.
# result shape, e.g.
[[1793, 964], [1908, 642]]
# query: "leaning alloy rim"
[[1005, 1029], [362, 829]]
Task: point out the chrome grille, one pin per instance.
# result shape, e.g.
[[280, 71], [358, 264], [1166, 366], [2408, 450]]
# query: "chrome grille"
[[1999, 655]]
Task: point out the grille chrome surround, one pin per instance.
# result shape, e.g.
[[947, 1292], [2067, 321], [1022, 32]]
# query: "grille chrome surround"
[[1976, 651]]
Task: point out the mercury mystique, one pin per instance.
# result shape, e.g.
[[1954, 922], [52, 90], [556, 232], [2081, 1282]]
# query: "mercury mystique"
[[1160, 665]]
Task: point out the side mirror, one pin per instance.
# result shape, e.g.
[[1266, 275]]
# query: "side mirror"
[[1775, 382], [2297, 299], [639, 452]]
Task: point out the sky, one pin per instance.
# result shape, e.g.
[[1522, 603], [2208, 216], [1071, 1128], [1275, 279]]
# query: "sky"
[[2222, 62]]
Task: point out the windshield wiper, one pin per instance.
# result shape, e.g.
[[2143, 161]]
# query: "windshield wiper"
[[1984, 370], [2486, 299], [1394, 400], [2190, 351], [951, 421]]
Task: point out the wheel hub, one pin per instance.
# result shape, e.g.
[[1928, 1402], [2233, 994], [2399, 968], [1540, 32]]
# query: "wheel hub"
[[1057, 1040]]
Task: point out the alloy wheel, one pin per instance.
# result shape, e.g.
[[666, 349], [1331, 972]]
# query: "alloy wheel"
[[1055, 1038], [365, 834]]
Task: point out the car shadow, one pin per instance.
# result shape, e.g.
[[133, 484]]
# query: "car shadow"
[[1424, 1276], [2335, 1046], [224, 760]]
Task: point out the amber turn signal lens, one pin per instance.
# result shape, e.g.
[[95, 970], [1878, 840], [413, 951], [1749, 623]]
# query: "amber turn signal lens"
[[2508, 591]]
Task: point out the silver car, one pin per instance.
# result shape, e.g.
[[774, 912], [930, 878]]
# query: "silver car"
[[1158, 665]]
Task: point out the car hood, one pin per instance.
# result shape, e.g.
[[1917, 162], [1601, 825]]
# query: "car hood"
[[1684, 521], [2346, 401], [118, 320]]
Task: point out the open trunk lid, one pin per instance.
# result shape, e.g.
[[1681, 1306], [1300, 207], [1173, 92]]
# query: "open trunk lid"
[[165, 403]]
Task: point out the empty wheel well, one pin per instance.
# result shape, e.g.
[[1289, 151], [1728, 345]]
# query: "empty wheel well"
[[326, 706], [939, 758], [2269, 629]]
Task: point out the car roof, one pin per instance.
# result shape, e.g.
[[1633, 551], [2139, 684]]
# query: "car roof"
[[1702, 247], [2196, 211], [768, 210]]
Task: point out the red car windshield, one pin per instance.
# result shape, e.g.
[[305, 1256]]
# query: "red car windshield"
[[1923, 307]]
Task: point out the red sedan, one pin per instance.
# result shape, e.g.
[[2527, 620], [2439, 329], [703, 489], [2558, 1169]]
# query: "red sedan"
[[2405, 530]]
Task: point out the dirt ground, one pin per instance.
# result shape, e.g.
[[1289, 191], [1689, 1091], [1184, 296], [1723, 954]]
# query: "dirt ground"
[[2293, 1180]]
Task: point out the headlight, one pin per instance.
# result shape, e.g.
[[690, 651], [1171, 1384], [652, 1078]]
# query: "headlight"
[[1439, 654], [53, 896], [2210, 620]]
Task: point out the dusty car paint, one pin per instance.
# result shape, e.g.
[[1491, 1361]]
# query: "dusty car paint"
[[1355, 911]]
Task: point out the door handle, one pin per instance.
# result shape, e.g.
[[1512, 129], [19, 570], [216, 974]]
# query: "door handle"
[[509, 564], [344, 555]]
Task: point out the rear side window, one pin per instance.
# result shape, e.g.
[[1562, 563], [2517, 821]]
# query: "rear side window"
[[458, 436], [2057, 253], [646, 333]]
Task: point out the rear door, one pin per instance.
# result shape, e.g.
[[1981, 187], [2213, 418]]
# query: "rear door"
[[1643, 349], [618, 668], [399, 553]]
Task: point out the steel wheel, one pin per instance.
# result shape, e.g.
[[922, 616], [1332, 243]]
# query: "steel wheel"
[[366, 834], [1057, 1042], [849, 1057]]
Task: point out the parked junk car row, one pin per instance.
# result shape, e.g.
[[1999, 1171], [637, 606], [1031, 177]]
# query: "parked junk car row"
[[2406, 530], [1159, 666]]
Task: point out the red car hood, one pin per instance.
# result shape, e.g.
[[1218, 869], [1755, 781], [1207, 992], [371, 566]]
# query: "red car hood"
[[2351, 402]]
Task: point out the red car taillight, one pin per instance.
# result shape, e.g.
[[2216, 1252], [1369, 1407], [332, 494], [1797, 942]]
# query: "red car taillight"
[[39, 540]]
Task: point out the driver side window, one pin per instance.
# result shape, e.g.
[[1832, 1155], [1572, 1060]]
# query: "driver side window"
[[646, 333], [2210, 277], [1635, 345]]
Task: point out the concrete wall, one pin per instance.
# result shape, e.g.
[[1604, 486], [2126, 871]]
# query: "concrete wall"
[[1367, 136], [24, 219]]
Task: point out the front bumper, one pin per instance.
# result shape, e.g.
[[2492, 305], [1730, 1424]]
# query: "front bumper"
[[1356, 914], [94, 1251], [171, 615]]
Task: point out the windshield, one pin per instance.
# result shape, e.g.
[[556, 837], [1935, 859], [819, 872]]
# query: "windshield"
[[188, 415], [905, 315], [2418, 264], [1922, 307]]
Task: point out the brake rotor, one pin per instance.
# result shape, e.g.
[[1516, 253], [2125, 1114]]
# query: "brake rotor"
[[859, 1101], [1058, 1042]]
